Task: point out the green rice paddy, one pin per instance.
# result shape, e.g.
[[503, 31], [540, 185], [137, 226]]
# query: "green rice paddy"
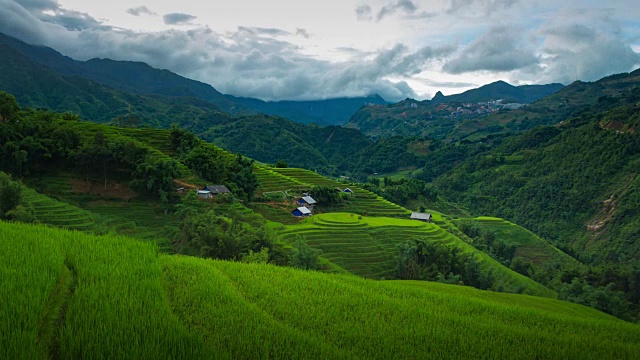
[[366, 246], [73, 295]]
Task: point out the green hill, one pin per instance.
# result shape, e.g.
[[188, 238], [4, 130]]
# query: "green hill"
[[71, 295], [460, 117], [366, 246]]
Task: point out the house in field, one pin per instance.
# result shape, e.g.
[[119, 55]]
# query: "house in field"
[[205, 194], [301, 212], [347, 190], [216, 189], [306, 201], [421, 216]]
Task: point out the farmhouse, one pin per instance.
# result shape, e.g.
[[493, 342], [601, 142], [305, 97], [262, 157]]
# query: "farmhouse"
[[347, 190], [205, 194], [306, 201], [421, 216], [216, 189], [301, 211]]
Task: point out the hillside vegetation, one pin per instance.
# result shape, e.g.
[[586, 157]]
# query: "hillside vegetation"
[[58, 285]]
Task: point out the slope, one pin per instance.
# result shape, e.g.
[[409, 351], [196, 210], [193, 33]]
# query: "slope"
[[323, 112], [366, 246], [127, 76], [36, 86], [61, 284]]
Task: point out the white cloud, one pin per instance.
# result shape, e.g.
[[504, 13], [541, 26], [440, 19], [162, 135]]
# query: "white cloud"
[[140, 10], [267, 52], [178, 19]]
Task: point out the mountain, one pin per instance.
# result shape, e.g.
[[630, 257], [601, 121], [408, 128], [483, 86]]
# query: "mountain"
[[142, 79], [134, 77], [571, 101], [323, 112], [262, 137], [442, 115], [500, 90], [37, 86]]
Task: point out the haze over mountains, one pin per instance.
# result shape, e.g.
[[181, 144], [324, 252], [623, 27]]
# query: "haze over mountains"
[[141, 79]]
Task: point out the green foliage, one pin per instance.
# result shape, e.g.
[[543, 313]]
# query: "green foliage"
[[326, 195], [10, 195], [154, 177], [9, 107], [261, 257], [304, 256], [424, 260], [282, 164], [235, 236]]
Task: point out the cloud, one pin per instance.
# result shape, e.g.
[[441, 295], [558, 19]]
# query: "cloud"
[[584, 51], [484, 7], [363, 13], [264, 31], [178, 19], [140, 10], [255, 62], [302, 32], [51, 12], [406, 6], [501, 49]]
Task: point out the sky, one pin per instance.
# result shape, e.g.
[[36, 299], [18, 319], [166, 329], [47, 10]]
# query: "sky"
[[307, 50]]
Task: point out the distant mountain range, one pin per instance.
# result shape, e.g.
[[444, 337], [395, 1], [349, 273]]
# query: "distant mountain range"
[[469, 116], [322, 112], [500, 90], [142, 79]]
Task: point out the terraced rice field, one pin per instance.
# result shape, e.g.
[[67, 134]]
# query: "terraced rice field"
[[529, 246], [361, 201], [57, 213], [135, 218], [148, 138], [156, 138], [274, 181], [277, 213], [365, 246]]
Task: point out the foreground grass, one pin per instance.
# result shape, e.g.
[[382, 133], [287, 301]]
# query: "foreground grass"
[[124, 300]]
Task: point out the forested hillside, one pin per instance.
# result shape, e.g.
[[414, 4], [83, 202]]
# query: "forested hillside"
[[575, 184]]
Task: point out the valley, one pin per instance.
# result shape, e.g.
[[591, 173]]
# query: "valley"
[[188, 223]]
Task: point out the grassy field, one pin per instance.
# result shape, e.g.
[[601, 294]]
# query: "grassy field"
[[73, 295], [365, 246]]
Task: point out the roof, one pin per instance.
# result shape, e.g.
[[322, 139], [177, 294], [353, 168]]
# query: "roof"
[[348, 190], [204, 192], [217, 189], [304, 210], [309, 200], [420, 216]]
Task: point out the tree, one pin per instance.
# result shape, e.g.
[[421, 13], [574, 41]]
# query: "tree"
[[282, 164], [304, 256], [261, 257], [10, 195], [9, 107], [154, 177]]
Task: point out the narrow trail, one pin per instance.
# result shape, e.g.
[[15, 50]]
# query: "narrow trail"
[[55, 311]]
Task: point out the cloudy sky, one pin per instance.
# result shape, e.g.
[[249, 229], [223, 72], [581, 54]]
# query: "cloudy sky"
[[301, 49]]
